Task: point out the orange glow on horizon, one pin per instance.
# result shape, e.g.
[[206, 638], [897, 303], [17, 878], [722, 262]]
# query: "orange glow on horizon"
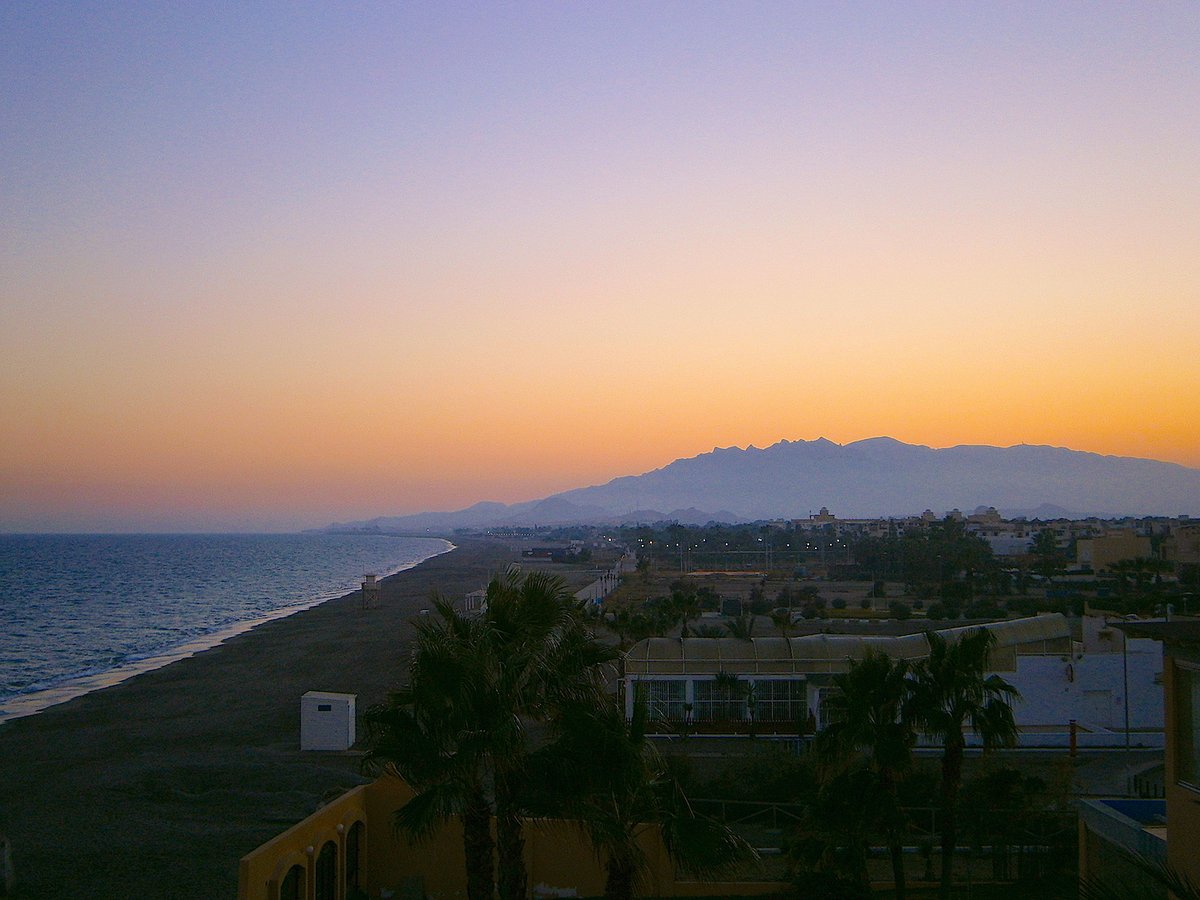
[[261, 281]]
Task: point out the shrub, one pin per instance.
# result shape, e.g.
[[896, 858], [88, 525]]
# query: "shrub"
[[984, 609], [956, 590]]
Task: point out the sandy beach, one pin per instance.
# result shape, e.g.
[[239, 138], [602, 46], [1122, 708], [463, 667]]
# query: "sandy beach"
[[155, 787]]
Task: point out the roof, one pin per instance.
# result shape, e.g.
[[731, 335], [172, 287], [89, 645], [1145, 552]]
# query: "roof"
[[1010, 633], [1182, 632], [815, 653]]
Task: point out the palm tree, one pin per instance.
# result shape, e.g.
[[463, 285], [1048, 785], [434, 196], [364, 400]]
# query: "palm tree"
[[682, 607], [601, 770], [1159, 878], [542, 657], [782, 620], [834, 832], [458, 734], [741, 627], [952, 690], [429, 734], [868, 720]]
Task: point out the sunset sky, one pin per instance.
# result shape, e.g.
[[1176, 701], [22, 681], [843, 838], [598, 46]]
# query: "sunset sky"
[[267, 266]]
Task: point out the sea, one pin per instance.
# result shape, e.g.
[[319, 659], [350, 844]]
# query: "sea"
[[81, 612]]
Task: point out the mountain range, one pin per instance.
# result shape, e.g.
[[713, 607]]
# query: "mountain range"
[[864, 479]]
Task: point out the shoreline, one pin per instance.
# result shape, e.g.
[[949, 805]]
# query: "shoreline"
[[20, 706], [158, 785]]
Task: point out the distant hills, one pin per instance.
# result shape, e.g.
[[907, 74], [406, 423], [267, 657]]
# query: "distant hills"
[[876, 477]]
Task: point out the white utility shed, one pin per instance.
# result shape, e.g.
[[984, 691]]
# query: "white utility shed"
[[326, 721]]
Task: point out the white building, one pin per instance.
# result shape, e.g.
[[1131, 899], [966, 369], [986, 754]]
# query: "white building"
[[775, 685], [327, 721]]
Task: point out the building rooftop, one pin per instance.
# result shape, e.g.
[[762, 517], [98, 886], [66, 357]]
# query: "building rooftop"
[[816, 652], [1180, 632]]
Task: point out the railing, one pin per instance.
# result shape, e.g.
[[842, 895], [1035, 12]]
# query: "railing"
[[995, 845]]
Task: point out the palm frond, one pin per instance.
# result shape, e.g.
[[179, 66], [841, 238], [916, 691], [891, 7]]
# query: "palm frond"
[[1161, 877], [421, 816]]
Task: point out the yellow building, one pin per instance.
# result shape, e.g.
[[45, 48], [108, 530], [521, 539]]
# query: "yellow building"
[[1182, 547], [350, 845], [1100, 553]]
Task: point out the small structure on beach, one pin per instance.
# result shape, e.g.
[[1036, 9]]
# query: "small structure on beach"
[[327, 721], [475, 602], [370, 591]]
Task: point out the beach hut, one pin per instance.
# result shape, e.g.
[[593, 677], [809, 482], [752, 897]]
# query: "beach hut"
[[326, 721]]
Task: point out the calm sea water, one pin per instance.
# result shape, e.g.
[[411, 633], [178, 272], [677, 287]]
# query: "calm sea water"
[[83, 609]]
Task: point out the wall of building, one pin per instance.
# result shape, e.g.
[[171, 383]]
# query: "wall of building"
[[1183, 546], [261, 872], [1056, 686], [1107, 837], [1008, 544], [1090, 688], [1099, 553], [1183, 803], [327, 721], [558, 855]]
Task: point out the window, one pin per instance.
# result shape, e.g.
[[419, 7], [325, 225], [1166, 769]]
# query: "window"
[[354, 843], [781, 701], [664, 699], [326, 874], [324, 707], [825, 713], [719, 701], [1187, 725], [292, 886]]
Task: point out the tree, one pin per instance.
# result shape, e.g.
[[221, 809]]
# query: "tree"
[[951, 690], [1050, 560], [541, 656], [1160, 878], [741, 627], [601, 771], [682, 607], [782, 620], [835, 829], [458, 731], [758, 601], [644, 566], [633, 626], [432, 734], [869, 721]]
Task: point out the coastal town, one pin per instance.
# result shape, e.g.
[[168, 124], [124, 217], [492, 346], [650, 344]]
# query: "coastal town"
[[735, 646], [527, 450]]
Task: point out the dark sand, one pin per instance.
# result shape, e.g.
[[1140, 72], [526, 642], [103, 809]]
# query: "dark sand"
[[156, 787]]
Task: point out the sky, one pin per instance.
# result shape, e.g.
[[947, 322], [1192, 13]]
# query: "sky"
[[267, 266]]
